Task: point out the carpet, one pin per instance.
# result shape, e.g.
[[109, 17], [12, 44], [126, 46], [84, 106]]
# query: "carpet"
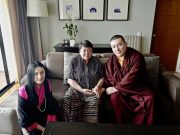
[[11, 101], [10, 98]]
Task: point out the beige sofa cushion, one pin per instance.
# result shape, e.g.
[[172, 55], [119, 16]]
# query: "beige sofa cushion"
[[152, 65], [55, 65], [67, 60], [58, 88]]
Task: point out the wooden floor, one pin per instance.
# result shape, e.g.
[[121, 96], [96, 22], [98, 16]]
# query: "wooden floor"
[[2, 79], [12, 89]]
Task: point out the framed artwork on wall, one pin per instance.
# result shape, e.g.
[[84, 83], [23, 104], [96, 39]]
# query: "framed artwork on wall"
[[69, 8], [117, 9], [93, 10]]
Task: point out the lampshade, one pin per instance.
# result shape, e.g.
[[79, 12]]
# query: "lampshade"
[[37, 8]]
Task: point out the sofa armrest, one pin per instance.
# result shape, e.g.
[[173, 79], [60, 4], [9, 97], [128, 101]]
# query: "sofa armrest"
[[171, 86], [9, 122], [43, 62]]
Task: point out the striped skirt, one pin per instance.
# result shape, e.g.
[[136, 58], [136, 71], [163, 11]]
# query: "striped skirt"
[[80, 108]]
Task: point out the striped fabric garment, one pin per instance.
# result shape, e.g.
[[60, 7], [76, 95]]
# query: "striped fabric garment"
[[79, 108]]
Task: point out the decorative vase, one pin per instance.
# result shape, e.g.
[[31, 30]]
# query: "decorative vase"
[[72, 42]]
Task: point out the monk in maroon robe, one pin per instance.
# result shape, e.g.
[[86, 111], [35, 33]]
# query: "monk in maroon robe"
[[127, 84]]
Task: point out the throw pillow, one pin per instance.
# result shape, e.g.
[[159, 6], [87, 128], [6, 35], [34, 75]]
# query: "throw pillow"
[[67, 60], [54, 62]]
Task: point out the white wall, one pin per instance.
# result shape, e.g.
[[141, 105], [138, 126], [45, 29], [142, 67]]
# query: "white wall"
[[141, 17]]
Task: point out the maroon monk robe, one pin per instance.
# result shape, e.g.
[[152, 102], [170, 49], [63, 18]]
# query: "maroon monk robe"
[[133, 103]]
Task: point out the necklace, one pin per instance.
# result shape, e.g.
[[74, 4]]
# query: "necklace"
[[44, 105]]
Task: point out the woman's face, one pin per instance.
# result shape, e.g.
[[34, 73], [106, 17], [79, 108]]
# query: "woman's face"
[[39, 75], [86, 53]]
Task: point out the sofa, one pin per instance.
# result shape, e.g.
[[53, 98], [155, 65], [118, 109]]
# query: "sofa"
[[165, 84], [9, 122]]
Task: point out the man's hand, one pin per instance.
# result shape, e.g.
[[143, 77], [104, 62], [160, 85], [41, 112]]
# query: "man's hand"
[[98, 91], [111, 90]]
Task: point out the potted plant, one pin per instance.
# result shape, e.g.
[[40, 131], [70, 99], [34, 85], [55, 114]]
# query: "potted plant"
[[72, 30]]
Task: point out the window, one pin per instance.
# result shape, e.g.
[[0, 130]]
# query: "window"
[[8, 71]]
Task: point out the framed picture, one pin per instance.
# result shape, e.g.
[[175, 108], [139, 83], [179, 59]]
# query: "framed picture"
[[117, 9], [93, 10], [69, 8]]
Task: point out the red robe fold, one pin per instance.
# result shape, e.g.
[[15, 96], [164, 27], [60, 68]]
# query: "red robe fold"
[[133, 103]]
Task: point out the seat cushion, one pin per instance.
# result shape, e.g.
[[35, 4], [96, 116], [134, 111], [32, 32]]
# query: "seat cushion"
[[58, 88]]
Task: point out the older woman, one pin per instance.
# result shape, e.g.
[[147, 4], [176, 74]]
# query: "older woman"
[[81, 101]]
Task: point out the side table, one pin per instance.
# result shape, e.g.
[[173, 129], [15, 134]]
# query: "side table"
[[98, 48]]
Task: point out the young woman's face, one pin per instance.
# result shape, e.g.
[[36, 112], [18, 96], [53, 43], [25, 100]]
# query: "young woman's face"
[[39, 75]]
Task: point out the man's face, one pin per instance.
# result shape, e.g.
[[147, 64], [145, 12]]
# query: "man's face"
[[86, 53], [119, 47]]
